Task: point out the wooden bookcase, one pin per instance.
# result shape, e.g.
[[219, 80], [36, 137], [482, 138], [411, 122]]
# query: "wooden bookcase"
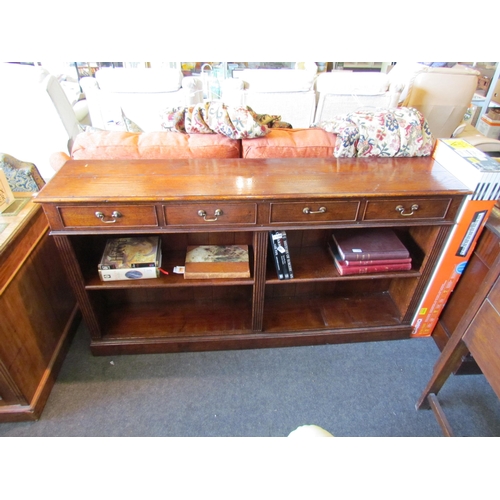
[[89, 201], [39, 314]]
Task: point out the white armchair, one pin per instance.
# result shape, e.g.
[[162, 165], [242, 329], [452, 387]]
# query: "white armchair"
[[442, 95], [37, 118], [139, 94], [288, 93], [341, 92]]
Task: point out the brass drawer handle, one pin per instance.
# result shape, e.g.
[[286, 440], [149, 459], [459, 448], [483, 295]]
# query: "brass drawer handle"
[[401, 210], [115, 216], [203, 214], [321, 210]]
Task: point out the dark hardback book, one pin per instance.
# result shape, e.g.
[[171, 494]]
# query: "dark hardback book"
[[344, 270], [369, 244], [273, 248], [287, 253], [217, 261], [277, 238]]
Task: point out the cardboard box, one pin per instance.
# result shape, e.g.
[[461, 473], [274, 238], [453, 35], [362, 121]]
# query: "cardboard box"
[[132, 258], [482, 175], [488, 127]]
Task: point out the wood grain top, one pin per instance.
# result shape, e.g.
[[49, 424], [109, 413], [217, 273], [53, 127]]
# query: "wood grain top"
[[283, 178]]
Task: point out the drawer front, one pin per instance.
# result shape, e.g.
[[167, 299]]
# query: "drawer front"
[[109, 216], [314, 211], [207, 214], [406, 209]]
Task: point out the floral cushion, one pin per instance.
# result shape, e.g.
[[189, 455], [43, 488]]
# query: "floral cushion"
[[395, 132], [214, 117]]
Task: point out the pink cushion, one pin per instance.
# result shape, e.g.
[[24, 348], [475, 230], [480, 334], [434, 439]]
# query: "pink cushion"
[[118, 145], [291, 143]]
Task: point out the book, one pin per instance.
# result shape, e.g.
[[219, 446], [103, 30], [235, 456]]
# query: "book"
[[273, 249], [344, 270], [217, 261], [369, 244], [282, 254], [287, 253], [379, 262], [137, 257]]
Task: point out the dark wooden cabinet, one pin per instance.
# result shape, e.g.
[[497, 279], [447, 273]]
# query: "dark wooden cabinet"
[[38, 313], [484, 265], [238, 201]]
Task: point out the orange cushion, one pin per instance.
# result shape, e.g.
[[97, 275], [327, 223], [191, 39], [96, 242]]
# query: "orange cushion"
[[291, 143], [118, 145]]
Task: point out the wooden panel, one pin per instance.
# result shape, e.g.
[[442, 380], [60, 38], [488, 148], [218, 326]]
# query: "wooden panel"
[[483, 340], [494, 295], [141, 181]]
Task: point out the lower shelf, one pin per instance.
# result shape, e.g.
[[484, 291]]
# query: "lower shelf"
[[226, 324], [345, 312]]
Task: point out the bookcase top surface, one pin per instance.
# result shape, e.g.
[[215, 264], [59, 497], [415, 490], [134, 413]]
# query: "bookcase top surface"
[[246, 179]]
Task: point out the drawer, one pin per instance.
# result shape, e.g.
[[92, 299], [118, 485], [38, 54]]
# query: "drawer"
[[109, 216], [407, 209], [196, 214], [314, 211]]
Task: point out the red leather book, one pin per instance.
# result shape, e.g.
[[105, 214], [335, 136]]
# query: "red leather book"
[[369, 244]]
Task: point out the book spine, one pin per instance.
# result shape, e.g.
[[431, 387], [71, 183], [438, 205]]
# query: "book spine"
[[275, 253], [363, 258], [378, 262], [278, 235], [287, 253]]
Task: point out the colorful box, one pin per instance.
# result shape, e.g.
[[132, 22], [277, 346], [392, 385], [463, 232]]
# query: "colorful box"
[[481, 174]]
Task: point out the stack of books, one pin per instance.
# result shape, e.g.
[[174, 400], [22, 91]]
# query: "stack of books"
[[363, 251]]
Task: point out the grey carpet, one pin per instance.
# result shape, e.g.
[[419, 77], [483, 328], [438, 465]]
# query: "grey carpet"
[[365, 389]]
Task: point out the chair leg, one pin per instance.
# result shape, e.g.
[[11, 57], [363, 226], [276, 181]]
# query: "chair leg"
[[439, 414], [447, 363]]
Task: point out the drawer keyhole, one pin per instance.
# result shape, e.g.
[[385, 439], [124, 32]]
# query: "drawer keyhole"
[[115, 215]]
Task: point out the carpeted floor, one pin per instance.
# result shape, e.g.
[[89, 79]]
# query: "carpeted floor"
[[366, 389]]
